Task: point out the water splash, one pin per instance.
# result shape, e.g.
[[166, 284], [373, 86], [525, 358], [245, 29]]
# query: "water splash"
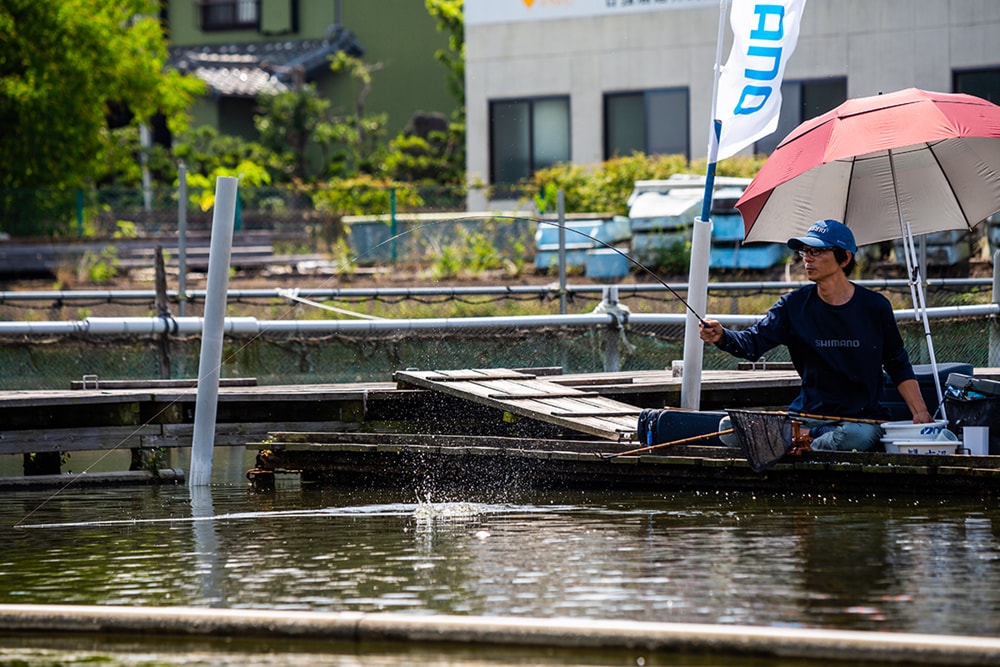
[[448, 511]]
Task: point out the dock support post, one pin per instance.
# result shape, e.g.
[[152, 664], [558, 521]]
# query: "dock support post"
[[994, 354], [561, 208], [612, 333], [163, 311], [213, 325]]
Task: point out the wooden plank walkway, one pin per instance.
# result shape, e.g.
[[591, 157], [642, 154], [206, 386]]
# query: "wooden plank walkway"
[[526, 395], [719, 388]]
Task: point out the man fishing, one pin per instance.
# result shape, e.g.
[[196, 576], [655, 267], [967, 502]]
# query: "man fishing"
[[839, 336]]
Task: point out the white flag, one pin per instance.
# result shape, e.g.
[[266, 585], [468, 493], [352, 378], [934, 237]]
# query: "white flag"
[[749, 96]]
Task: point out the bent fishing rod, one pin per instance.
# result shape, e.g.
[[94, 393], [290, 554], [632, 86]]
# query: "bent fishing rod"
[[539, 221]]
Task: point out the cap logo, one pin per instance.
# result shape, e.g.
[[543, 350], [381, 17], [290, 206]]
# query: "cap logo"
[[818, 228]]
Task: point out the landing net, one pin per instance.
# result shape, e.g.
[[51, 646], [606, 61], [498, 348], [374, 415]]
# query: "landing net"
[[764, 437]]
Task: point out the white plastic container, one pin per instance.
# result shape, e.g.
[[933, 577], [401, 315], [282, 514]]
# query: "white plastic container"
[[938, 447], [907, 430], [977, 440]]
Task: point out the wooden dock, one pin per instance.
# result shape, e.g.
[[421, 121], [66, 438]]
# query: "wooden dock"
[[536, 428], [500, 468], [106, 415]]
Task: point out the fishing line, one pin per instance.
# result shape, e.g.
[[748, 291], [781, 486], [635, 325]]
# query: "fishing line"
[[609, 246], [354, 260]]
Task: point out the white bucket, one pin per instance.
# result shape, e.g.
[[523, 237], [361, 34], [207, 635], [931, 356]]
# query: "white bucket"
[[907, 430]]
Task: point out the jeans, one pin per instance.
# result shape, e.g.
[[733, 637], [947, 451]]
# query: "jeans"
[[845, 436]]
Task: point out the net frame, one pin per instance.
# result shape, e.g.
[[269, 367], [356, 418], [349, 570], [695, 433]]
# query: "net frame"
[[764, 437]]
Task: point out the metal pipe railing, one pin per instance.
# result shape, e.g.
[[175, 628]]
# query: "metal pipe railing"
[[539, 291], [119, 326]]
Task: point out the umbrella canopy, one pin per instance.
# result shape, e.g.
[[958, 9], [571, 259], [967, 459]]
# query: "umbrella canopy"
[[924, 159]]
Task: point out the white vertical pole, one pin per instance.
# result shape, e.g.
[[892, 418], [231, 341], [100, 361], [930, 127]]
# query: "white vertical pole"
[[182, 239], [701, 249], [920, 308], [210, 362]]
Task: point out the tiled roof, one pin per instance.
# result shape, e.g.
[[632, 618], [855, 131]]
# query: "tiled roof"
[[247, 70]]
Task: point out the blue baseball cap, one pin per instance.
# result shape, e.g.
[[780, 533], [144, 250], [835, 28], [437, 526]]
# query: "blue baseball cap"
[[826, 234]]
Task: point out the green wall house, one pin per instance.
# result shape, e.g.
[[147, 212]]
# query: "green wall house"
[[246, 48]]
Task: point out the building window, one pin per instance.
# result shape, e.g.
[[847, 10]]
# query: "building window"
[[654, 122], [800, 101], [984, 83], [527, 135], [229, 14]]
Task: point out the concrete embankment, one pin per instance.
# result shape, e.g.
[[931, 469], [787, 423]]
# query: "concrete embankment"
[[636, 638]]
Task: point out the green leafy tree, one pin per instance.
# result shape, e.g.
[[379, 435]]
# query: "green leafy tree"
[[439, 158], [206, 154], [62, 64], [293, 125], [204, 151], [360, 135]]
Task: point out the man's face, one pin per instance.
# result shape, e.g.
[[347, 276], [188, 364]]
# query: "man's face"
[[819, 263]]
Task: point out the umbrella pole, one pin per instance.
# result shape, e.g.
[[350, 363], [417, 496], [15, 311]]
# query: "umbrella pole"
[[916, 287], [920, 305], [906, 237]]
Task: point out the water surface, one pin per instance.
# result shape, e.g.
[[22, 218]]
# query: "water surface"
[[888, 564], [866, 564]]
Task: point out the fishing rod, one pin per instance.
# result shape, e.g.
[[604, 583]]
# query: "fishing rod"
[[803, 415], [539, 221], [682, 441]]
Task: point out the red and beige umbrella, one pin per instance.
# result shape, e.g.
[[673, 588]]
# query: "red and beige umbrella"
[[930, 161], [891, 166]]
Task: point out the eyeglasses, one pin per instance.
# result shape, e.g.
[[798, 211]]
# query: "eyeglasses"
[[813, 252]]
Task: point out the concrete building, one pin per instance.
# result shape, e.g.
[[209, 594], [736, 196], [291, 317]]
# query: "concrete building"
[[580, 81]]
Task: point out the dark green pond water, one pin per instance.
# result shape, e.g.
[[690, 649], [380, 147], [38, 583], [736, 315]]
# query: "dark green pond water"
[[927, 566]]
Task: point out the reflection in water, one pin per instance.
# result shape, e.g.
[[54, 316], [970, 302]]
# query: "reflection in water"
[[716, 558], [206, 545]]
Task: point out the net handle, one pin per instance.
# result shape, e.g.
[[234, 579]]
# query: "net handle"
[[694, 438]]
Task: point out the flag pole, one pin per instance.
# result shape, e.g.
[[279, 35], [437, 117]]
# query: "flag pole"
[[701, 246]]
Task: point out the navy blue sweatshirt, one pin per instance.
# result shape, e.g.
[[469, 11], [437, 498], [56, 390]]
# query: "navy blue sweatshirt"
[[840, 351]]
